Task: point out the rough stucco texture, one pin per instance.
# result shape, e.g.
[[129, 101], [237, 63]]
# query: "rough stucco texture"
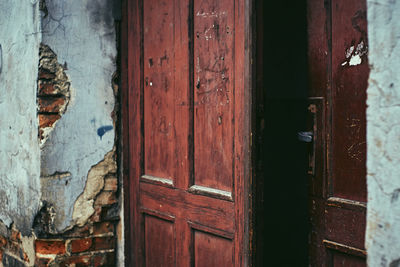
[[383, 134], [19, 147], [82, 35]]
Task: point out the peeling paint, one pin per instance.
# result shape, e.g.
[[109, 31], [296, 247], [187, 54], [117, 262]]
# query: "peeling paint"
[[83, 207], [82, 35], [53, 83], [354, 54]]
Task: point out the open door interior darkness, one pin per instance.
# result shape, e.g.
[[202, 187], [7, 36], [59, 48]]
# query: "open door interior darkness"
[[281, 176]]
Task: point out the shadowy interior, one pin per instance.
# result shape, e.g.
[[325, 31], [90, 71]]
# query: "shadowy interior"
[[282, 225]]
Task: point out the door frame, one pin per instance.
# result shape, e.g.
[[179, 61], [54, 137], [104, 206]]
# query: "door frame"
[[244, 134]]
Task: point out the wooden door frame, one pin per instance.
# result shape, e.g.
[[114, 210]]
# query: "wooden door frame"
[[131, 117]]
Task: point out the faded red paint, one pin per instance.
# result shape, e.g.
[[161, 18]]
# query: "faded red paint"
[[338, 73], [188, 132]]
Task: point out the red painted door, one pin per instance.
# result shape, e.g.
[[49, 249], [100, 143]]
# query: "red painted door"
[[338, 73], [187, 128]]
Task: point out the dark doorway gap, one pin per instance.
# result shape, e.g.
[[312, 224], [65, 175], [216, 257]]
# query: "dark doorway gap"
[[282, 222]]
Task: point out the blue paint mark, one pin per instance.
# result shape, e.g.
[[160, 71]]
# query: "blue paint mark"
[[103, 129]]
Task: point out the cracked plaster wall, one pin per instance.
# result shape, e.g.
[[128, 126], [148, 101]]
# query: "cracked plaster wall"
[[82, 35], [383, 134], [19, 147]]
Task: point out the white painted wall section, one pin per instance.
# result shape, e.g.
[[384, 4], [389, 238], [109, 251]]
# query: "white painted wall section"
[[19, 147], [383, 134]]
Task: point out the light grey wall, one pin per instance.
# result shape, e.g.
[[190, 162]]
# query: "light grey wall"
[[82, 34], [19, 147], [383, 134]]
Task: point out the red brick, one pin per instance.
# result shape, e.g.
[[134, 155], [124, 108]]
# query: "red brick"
[[47, 120], [104, 259], [42, 262], [81, 245], [106, 198], [43, 74], [103, 228], [103, 243], [76, 261], [47, 88], [78, 232], [111, 184], [96, 217], [50, 246], [52, 104]]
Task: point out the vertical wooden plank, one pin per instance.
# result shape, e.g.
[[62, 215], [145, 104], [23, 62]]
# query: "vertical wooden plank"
[[210, 250], [214, 61], [242, 128], [319, 55], [131, 59], [350, 80], [159, 89], [159, 242], [183, 84], [125, 126]]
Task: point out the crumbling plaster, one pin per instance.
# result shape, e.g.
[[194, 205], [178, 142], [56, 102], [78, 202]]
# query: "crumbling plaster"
[[82, 35], [383, 134], [19, 147]]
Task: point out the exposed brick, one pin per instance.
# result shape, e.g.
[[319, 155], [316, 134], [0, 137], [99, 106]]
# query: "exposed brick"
[[96, 217], [42, 262], [15, 236], [106, 198], [47, 88], [52, 104], [104, 259], [3, 242], [81, 232], [47, 120], [103, 228], [111, 184], [50, 246], [76, 261], [103, 243], [81, 245], [44, 74]]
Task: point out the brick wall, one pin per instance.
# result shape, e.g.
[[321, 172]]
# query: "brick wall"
[[53, 91], [12, 251], [93, 244]]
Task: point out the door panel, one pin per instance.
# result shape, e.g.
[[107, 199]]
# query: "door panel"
[[159, 239], [338, 73], [188, 122], [349, 82]]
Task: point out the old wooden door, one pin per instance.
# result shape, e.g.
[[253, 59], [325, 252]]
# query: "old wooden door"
[[186, 93], [338, 73]]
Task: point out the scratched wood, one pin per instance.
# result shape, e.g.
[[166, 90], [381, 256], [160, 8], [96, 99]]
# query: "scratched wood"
[[213, 93], [159, 239], [338, 47], [159, 88], [211, 250], [178, 152], [350, 80]]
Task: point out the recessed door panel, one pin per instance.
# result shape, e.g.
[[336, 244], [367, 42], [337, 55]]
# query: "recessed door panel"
[[214, 93], [182, 85], [159, 239], [212, 250]]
